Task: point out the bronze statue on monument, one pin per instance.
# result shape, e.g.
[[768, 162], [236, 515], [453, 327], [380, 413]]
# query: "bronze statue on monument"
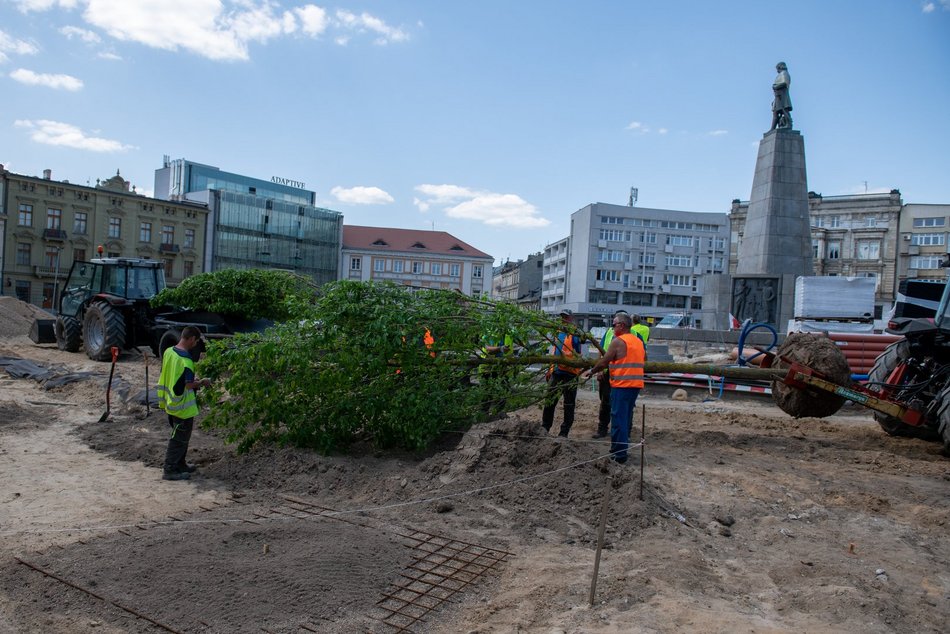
[[782, 104]]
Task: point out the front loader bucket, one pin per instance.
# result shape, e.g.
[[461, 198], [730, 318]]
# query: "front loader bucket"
[[41, 331]]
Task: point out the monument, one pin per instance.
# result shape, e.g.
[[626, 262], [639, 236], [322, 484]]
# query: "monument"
[[775, 243]]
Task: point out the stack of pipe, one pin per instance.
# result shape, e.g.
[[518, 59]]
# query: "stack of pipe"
[[861, 349]]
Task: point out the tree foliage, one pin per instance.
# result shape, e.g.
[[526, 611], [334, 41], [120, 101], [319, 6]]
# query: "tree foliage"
[[250, 294], [353, 366]]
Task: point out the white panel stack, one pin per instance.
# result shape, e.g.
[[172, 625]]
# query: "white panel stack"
[[824, 297]]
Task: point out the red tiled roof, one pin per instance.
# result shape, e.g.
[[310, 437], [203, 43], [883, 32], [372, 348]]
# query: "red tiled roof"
[[404, 240]]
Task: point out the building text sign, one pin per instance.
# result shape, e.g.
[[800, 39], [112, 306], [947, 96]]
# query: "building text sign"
[[287, 181]]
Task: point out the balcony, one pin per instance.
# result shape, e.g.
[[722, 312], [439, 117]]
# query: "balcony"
[[54, 234], [50, 271], [168, 248]]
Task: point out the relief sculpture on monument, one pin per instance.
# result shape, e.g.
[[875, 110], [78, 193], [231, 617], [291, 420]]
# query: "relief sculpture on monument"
[[755, 298]]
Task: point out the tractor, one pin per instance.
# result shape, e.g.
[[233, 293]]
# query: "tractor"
[[106, 303]]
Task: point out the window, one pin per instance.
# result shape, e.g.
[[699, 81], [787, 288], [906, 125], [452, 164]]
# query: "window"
[[611, 220], [870, 221], [356, 264], [817, 221], [79, 255], [834, 250], [814, 249], [169, 267], [145, 232], [436, 268], [477, 270], [25, 215], [115, 227], [49, 289], [646, 280], [189, 268], [929, 222], [51, 257], [869, 249], [608, 275], [678, 280], [925, 262], [416, 268], [834, 222], [54, 218], [23, 253], [927, 239], [717, 263], [453, 270], [79, 222], [719, 244], [647, 237], [379, 265], [23, 290], [669, 224], [190, 238], [615, 235], [168, 234], [647, 258], [679, 260], [397, 266], [610, 255], [680, 241]]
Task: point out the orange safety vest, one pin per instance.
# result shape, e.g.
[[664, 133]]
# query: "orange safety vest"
[[429, 341], [565, 348], [628, 372]]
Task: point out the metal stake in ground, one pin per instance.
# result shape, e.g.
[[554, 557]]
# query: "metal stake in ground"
[[145, 359], [643, 433], [600, 538], [115, 357]]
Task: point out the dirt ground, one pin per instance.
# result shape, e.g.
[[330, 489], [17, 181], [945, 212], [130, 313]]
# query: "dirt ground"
[[751, 522]]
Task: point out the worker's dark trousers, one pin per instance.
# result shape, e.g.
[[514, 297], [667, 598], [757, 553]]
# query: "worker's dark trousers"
[[178, 443], [603, 415], [560, 384]]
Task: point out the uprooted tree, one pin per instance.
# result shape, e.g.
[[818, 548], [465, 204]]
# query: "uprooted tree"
[[351, 363]]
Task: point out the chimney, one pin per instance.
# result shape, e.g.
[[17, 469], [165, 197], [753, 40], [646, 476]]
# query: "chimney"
[[47, 174]]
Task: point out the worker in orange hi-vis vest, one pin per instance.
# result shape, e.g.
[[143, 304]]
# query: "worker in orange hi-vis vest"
[[626, 357], [563, 378]]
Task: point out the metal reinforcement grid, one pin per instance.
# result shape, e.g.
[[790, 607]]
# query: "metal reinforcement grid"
[[441, 568]]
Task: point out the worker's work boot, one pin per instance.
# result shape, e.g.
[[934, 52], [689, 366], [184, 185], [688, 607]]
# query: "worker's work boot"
[[175, 475]]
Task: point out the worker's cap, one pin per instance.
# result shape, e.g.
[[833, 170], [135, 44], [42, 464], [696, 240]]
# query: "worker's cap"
[[566, 312], [620, 312]]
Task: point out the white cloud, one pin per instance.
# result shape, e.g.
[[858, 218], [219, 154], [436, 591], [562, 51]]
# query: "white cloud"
[[487, 207], [216, 29], [17, 47], [86, 36], [366, 22], [636, 126], [930, 7], [313, 19], [362, 195], [662, 131], [109, 56], [67, 135], [57, 82], [718, 132]]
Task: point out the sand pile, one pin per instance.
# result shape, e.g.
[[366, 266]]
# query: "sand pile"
[[16, 317]]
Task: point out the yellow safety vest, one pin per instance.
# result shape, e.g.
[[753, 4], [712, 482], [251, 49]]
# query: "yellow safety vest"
[[173, 366]]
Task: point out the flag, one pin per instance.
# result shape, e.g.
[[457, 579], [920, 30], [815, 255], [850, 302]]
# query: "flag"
[[733, 322]]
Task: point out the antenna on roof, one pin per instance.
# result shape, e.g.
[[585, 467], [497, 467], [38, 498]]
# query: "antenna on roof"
[[633, 197]]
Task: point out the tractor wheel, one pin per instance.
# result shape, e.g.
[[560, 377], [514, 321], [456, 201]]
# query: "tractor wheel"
[[892, 356], [883, 366], [943, 419], [68, 333], [103, 328], [820, 354], [168, 340]]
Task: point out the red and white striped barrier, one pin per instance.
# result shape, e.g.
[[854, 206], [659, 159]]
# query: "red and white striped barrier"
[[704, 380]]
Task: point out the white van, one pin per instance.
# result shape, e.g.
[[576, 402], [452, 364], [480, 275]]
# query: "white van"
[[676, 320]]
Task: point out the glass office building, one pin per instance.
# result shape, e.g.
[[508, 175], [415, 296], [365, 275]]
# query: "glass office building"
[[254, 223]]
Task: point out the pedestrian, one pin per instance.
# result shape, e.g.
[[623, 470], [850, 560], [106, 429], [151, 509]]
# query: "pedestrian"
[[640, 329], [176, 395], [563, 378], [625, 359], [603, 387]]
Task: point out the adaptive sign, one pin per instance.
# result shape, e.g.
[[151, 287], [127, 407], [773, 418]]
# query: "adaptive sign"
[[287, 181]]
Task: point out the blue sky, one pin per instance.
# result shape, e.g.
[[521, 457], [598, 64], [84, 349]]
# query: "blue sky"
[[492, 120]]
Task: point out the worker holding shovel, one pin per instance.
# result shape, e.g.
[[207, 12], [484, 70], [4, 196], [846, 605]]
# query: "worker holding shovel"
[[176, 395]]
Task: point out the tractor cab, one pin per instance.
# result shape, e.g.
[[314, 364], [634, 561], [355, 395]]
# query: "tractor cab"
[[117, 280]]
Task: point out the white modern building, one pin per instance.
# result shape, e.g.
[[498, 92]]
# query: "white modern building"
[[646, 261]]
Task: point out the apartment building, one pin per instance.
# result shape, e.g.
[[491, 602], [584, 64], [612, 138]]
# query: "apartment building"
[[924, 242], [432, 259], [519, 282], [647, 261], [47, 224]]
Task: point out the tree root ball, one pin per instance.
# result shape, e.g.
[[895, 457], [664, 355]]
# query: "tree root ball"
[[819, 353]]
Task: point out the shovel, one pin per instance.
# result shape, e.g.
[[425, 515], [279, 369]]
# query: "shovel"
[[115, 357]]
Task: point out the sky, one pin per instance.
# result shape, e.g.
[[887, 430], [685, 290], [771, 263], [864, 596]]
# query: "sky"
[[491, 120]]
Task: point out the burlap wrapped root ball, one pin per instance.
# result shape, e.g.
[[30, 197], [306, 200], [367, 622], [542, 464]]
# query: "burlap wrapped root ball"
[[819, 353]]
